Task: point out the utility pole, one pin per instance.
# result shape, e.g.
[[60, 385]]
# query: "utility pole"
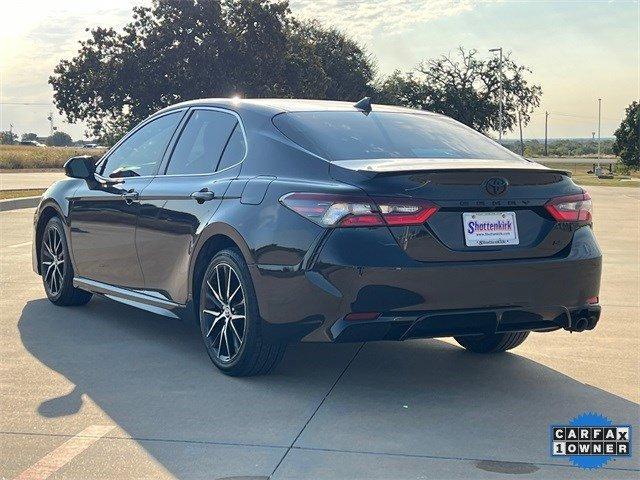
[[499, 49], [51, 127], [546, 131], [521, 140], [599, 118]]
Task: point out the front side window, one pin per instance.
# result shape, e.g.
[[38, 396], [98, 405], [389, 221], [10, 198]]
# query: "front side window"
[[386, 135], [140, 154], [201, 143]]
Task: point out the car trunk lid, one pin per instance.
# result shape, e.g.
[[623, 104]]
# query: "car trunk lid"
[[466, 187]]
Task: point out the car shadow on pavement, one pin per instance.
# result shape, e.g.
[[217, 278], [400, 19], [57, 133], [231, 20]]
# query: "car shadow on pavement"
[[153, 379]]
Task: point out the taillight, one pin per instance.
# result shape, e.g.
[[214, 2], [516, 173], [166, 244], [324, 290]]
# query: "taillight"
[[330, 210], [405, 211], [572, 208], [333, 210]]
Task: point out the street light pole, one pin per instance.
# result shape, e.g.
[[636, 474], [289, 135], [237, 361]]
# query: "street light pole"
[[499, 49]]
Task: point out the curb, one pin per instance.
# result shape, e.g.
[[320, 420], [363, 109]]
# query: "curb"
[[16, 203]]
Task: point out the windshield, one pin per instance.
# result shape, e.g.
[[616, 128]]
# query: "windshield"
[[354, 136]]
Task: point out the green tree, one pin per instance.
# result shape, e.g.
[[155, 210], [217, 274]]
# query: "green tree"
[[627, 143], [7, 138], [466, 88], [347, 65], [113, 131], [404, 89], [180, 50], [26, 137], [59, 139]]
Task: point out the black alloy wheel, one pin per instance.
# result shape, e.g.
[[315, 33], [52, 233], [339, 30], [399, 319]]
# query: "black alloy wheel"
[[56, 268], [230, 323]]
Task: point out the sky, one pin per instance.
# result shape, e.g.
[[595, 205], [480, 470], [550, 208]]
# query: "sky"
[[578, 50]]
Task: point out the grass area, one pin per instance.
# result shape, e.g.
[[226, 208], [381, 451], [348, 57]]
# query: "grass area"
[[581, 177], [34, 192], [13, 157]]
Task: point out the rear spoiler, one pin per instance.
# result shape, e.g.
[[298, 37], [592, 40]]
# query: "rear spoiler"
[[385, 167], [566, 173]]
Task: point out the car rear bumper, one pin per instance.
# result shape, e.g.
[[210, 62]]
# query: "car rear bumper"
[[466, 322], [425, 299]]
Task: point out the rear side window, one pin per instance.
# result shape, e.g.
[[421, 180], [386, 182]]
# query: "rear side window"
[[201, 142], [235, 149], [354, 136]]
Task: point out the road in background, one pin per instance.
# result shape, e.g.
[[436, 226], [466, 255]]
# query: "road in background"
[[574, 160], [418, 409], [24, 180]]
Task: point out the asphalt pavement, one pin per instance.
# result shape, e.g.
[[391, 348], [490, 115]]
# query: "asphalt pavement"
[[108, 391]]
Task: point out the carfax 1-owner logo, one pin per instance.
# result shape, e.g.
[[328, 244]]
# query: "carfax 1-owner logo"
[[590, 440]]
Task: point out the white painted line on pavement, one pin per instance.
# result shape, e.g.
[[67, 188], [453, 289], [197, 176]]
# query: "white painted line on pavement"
[[58, 458], [23, 244]]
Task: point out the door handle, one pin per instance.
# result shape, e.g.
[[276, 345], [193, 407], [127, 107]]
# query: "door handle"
[[203, 195], [130, 196]]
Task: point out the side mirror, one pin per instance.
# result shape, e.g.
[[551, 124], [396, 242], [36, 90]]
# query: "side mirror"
[[82, 166]]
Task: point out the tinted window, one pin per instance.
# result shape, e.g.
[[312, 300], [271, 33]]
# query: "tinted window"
[[235, 149], [140, 154], [353, 135], [201, 143]]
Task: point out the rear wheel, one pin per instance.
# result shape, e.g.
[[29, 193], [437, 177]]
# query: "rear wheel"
[[229, 319], [56, 269], [492, 343]]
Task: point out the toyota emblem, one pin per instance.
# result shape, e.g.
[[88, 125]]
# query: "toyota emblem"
[[496, 186]]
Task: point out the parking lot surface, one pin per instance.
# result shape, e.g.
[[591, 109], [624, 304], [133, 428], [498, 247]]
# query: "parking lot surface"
[[108, 391]]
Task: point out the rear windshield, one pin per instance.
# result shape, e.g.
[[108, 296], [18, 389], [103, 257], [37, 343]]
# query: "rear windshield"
[[355, 136]]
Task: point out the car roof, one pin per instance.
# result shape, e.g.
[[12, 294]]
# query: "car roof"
[[273, 106]]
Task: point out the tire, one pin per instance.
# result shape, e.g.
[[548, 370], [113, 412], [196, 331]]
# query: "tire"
[[56, 269], [492, 343], [231, 329]]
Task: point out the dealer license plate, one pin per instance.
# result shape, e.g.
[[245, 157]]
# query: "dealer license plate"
[[486, 229]]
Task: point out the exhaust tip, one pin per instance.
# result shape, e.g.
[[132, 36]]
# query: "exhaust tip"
[[581, 325]]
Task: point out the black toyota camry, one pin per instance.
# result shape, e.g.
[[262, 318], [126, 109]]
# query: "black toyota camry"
[[268, 222]]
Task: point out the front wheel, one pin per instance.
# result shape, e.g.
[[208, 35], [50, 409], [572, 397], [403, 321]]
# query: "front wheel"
[[230, 322], [492, 343]]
